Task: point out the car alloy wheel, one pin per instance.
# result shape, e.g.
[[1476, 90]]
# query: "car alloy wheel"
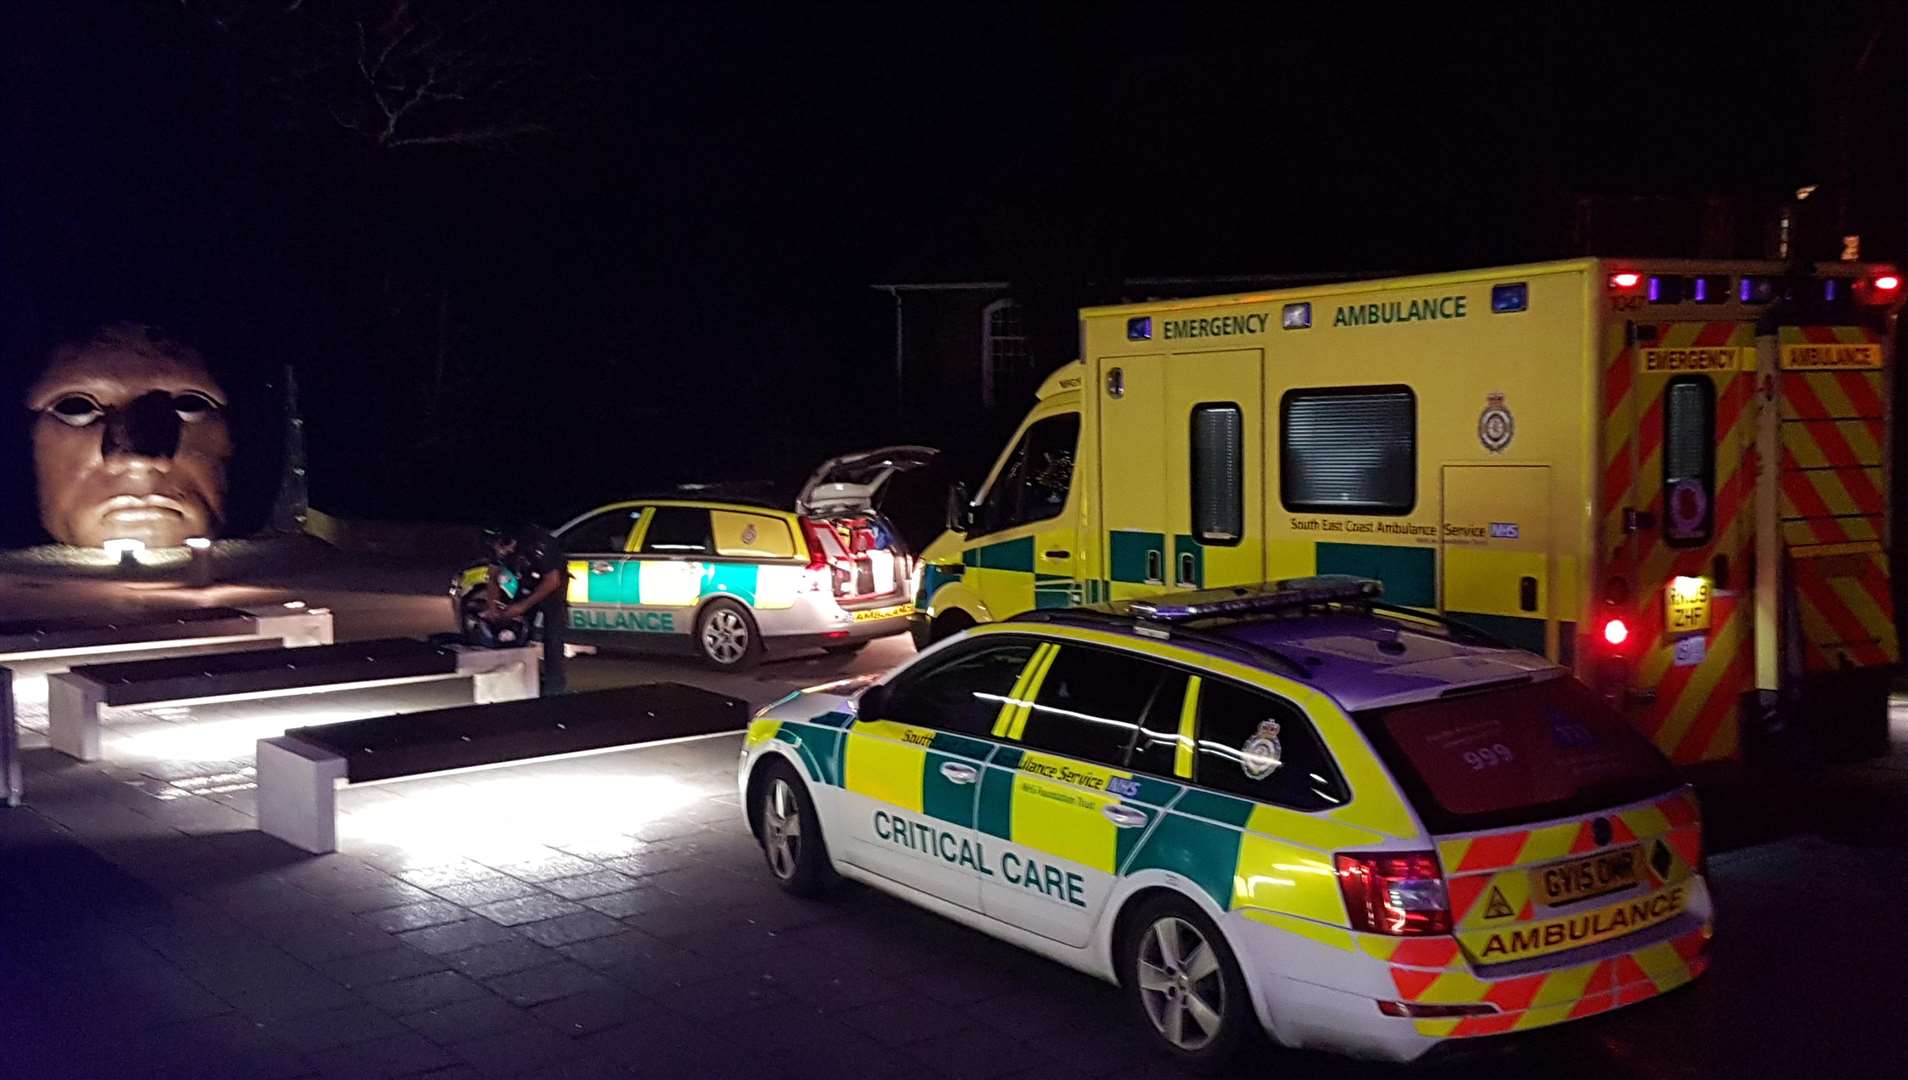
[[725, 636], [1181, 984], [781, 828]]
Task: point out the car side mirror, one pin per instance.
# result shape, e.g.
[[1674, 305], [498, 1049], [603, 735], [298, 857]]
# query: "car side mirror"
[[871, 702], [960, 508]]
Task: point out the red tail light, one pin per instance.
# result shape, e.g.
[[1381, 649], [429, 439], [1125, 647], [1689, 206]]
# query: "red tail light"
[[1887, 283], [1615, 632], [1625, 279], [1399, 894]]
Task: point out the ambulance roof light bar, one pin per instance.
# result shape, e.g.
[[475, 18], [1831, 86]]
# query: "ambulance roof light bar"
[[1287, 595]]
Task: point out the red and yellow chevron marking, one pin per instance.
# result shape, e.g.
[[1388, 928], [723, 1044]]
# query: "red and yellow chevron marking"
[[1692, 716], [1440, 970], [1834, 498], [1846, 610], [1618, 442], [1494, 851]]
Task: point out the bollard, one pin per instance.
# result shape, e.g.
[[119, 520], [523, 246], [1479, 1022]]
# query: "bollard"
[[10, 781], [198, 561]]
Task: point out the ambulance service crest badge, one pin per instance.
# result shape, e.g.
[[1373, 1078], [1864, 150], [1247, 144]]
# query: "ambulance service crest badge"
[[1261, 755], [1495, 426]]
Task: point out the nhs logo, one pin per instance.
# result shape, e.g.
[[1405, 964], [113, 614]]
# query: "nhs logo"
[[1503, 530]]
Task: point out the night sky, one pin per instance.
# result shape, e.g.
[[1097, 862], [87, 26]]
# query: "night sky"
[[658, 269]]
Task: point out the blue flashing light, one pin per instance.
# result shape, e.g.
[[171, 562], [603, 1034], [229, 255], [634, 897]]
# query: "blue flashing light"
[[1139, 328], [1509, 298], [1829, 288], [1295, 317], [1656, 289], [1701, 286]]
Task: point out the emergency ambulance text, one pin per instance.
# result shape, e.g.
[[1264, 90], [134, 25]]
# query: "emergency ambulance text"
[[1400, 311], [1586, 928], [1224, 326]]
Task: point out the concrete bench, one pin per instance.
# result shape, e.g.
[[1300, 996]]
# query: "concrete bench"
[[39, 647], [75, 697], [299, 772]]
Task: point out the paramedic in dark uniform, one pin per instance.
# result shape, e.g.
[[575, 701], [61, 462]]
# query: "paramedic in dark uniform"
[[536, 558]]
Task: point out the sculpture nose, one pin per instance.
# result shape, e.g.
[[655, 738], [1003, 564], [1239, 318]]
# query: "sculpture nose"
[[144, 431]]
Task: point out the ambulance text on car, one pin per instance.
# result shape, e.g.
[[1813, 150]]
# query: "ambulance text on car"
[[1670, 477], [1362, 827]]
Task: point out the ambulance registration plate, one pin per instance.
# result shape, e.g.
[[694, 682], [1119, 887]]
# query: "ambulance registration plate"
[[1595, 875], [884, 613], [1686, 605]]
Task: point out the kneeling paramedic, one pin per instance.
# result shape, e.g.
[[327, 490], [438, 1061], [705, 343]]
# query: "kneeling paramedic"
[[534, 556]]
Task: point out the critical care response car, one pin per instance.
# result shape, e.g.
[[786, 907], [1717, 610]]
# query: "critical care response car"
[[732, 579], [1670, 476], [1365, 828]]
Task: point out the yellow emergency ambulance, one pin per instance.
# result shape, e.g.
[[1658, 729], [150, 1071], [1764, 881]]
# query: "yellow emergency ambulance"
[[1364, 828], [1670, 476]]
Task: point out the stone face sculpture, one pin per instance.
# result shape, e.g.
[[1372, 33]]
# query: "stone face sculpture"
[[131, 441]]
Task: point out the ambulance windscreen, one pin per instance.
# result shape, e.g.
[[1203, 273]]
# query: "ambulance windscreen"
[[1515, 756]]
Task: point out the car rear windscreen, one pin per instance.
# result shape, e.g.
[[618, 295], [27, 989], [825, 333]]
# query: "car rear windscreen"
[[1516, 755]]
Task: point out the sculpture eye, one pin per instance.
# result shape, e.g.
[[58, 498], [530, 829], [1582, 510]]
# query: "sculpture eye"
[[79, 410], [193, 406]]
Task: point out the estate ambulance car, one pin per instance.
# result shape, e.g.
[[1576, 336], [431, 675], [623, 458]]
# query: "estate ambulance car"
[[1670, 477], [733, 579], [1362, 827]]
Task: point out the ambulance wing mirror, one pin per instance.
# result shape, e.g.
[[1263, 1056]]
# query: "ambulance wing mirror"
[[960, 508]]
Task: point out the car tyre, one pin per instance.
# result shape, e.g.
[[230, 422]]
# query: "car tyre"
[[1184, 984], [789, 832], [726, 636]]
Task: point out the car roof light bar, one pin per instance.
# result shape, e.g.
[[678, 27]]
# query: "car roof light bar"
[[1287, 595]]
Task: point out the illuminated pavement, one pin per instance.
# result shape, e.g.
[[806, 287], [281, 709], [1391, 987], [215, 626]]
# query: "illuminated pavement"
[[609, 916]]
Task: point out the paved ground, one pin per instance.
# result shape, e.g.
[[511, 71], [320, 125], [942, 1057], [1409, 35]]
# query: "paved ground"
[[609, 916]]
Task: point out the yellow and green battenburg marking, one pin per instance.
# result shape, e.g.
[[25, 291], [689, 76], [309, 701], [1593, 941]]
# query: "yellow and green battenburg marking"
[[671, 583], [1245, 855]]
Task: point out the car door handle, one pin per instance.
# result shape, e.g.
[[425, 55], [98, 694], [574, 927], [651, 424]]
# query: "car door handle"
[[958, 773], [1058, 554], [1123, 816], [602, 568]]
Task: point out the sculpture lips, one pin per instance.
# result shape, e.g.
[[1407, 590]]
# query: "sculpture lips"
[[134, 509]]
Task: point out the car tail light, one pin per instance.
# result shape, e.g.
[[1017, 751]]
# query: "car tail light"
[[1625, 279], [1887, 283], [1395, 893]]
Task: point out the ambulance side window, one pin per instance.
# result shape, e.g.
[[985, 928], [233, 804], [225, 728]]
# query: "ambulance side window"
[[1349, 449], [1689, 460], [1263, 748], [962, 695], [1091, 702], [678, 530], [602, 533], [1034, 481]]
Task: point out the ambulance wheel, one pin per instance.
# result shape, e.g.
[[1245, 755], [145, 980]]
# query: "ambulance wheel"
[[1184, 984], [790, 832], [726, 637]]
